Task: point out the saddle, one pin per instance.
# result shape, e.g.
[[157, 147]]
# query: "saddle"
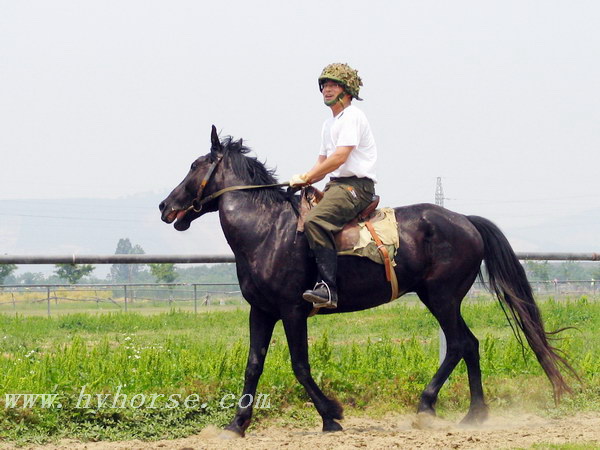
[[347, 239]]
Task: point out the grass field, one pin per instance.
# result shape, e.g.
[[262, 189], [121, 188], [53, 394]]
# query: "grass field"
[[374, 362]]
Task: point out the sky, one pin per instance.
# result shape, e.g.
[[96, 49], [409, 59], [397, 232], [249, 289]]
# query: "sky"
[[105, 100]]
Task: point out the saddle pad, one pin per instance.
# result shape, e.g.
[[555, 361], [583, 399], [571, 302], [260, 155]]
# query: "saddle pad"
[[387, 230]]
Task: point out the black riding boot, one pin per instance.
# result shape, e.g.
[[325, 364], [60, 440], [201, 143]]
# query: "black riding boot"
[[324, 294]]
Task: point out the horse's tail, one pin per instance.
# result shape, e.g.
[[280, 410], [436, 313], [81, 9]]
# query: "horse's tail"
[[507, 279]]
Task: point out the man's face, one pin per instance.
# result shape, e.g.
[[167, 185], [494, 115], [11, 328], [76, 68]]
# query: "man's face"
[[331, 90]]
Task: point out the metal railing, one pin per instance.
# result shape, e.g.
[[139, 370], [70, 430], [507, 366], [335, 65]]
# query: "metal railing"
[[556, 288], [211, 259], [125, 296], [153, 297], [115, 259], [116, 297]]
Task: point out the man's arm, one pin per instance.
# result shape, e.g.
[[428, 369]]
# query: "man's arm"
[[320, 160], [326, 165]]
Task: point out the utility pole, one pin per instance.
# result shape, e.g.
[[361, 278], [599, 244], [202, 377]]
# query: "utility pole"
[[439, 193], [439, 200]]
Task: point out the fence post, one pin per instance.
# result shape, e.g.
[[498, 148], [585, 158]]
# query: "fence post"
[[443, 348], [48, 300], [195, 298], [125, 296]]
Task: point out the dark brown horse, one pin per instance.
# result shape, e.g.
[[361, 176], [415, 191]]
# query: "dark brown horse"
[[439, 259]]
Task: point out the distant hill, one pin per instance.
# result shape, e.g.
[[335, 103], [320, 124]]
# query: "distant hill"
[[94, 226]]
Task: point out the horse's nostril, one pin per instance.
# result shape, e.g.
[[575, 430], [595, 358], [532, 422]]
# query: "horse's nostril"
[[161, 206]]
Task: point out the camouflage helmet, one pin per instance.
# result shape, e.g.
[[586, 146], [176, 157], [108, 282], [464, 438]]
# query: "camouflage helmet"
[[343, 74]]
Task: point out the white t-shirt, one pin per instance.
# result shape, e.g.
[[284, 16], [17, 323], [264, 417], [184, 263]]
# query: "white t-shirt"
[[350, 128]]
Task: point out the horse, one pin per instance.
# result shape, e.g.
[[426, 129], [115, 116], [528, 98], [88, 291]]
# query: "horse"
[[439, 258]]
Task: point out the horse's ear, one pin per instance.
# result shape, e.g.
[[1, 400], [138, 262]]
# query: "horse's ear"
[[215, 142]]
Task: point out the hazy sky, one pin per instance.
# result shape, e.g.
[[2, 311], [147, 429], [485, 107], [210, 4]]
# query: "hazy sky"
[[108, 99]]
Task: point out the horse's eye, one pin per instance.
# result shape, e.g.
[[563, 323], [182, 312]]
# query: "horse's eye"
[[194, 166]]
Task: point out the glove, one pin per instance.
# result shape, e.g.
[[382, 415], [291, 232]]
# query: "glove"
[[299, 180]]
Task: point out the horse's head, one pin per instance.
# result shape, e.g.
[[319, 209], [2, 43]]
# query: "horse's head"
[[182, 206]]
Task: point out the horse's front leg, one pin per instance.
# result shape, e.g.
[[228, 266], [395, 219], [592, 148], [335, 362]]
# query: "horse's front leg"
[[261, 330], [296, 332]]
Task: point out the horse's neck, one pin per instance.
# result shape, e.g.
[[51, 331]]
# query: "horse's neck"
[[250, 223]]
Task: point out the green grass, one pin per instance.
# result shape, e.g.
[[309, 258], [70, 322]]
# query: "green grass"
[[377, 360]]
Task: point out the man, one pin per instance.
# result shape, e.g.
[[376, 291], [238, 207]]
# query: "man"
[[348, 154]]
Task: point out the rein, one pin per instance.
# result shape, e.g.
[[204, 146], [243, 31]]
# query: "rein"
[[198, 202]]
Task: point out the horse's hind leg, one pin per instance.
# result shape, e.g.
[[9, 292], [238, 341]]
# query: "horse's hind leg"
[[296, 332], [261, 330], [478, 410], [460, 344], [448, 319]]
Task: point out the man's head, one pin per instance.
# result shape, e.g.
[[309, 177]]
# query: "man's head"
[[343, 76]]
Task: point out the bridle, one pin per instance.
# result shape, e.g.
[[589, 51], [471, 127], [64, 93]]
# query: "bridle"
[[199, 202]]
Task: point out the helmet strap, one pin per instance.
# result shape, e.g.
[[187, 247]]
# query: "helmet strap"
[[339, 98]]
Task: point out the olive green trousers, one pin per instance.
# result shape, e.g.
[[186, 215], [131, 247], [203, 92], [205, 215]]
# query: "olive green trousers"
[[344, 199]]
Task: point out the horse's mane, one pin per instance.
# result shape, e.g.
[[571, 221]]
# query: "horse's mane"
[[251, 170]]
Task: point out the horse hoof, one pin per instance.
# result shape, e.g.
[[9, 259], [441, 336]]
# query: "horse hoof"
[[229, 434], [236, 429], [426, 410], [424, 420], [475, 417], [331, 425]]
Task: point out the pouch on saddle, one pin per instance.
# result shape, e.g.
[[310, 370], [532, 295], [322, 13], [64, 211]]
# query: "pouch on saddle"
[[355, 238]]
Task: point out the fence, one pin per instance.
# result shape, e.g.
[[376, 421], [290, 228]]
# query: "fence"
[[154, 297], [211, 259], [65, 298], [144, 297], [556, 288]]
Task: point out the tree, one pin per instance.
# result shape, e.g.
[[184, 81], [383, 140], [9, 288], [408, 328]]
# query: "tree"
[[596, 273], [164, 272], [5, 271], [539, 270], [121, 273], [73, 272], [31, 278], [570, 270]]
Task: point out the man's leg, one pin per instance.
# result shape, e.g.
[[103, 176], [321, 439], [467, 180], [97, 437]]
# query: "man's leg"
[[324, 294], [340, 205]]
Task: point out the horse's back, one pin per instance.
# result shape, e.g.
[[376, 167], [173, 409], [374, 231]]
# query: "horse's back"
[[433, 238]]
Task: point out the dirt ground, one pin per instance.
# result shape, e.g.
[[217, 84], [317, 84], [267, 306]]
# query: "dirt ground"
[[395, 431]]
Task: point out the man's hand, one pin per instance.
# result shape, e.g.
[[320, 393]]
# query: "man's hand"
[[299, 180]]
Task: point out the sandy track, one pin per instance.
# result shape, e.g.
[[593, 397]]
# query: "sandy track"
[[400, 431]]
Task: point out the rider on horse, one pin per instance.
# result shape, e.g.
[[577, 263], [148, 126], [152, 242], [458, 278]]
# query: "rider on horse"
[[348, 154]]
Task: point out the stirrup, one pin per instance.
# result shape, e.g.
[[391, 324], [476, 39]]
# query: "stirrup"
[[328, 304], [322, 302], [315, 299]]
